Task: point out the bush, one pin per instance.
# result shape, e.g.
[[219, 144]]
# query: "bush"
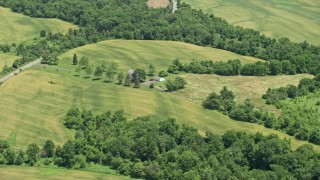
[[163, 74], [151, 86]]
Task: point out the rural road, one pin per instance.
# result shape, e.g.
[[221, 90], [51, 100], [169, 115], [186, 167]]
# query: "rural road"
[[7, 77], [175, 6]]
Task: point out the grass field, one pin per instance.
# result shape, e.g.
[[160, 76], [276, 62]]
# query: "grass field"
[[199, 86], [139, 54], [299, 19], [32, 109], [34, 173], [16, 27], [7, 58]]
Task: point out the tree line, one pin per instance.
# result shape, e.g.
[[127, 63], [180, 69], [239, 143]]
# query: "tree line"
[[306, 127], [151, 149], [299, 118], [112, 19], [234, 68]]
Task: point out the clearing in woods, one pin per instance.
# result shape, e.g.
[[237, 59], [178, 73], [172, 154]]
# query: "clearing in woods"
[[31, 91], [17, 27], [158, 3], [299, 19]]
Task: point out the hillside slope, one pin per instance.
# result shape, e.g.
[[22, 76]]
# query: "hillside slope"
[[16, 27], [299, 20]]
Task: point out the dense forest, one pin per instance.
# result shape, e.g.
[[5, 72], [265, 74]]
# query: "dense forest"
[[128, 19], [150, 148]]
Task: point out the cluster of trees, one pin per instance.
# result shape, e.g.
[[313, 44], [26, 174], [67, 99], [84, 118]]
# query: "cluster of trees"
[[152, 149], [233, 68], [244, 112], [306, 86], [175, 84], [134, 20], [110, 71], [5, 48], [298, 118]]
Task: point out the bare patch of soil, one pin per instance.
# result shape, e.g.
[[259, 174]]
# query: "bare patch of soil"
[[158, 3]]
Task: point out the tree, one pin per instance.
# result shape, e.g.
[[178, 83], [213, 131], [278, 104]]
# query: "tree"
[[212, 102], [127, 81], [98, 72], [89, 70], [120, 77], [136, 83], [139, 74], [78, 69], [111, 71], [33, 153], [152, 70], [43, 33], [10, 156], [75, 59], [163, 74], [84, 62], [48, 149], [67, 154]]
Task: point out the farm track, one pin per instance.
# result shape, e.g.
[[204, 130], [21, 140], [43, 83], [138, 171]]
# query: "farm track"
[[9, 76]]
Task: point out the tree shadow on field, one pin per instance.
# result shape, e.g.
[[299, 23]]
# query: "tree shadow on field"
[[86, 77], [107, 81], [76, 75], [96, 79]]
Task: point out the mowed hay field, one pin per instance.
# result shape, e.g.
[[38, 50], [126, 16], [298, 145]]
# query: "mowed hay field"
[[299, 20], [17, 27], [253, 87], [139, 54], [34, 173], [7, 58], [32, 109]]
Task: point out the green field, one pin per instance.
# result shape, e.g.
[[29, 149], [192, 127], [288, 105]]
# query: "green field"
[[7, 58], [28, 173], [139, 54], [16, 27], [32, 109], [299, 19], [199, 86]]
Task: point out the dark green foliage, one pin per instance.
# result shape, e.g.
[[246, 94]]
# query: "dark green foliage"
[[139, 75], [48, 149], [151, 86], [306, 86], [123, 22], [33, 153], [163, 74], [152, 70], [176, 84], [43, 33], [153, 149], [98, 72], [127, 81], [256, 69], [223, 102], [75, 59]]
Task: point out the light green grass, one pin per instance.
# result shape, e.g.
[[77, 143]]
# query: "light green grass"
[[297, 19], [32, 109], [17, 27], [139, 54], [33, 173], [200, 86], [7, 58]]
